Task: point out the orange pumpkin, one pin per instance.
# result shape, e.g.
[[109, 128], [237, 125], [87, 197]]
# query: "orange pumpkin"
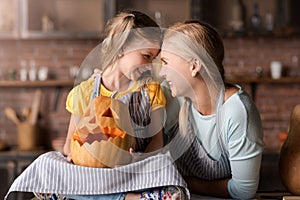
[[104, 135]]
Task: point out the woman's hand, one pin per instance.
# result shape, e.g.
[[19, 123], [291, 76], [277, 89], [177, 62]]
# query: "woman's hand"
[[216, 188]]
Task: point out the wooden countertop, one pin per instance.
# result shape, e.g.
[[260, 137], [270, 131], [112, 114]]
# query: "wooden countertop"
[[259, 196]]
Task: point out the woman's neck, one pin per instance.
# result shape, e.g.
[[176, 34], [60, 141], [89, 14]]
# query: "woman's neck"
[[202, 100]]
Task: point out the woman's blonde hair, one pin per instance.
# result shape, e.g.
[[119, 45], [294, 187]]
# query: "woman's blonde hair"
[[199, 40], [206, 36], [122, 29]]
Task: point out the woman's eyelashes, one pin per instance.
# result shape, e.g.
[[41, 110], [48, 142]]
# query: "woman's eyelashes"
[[164, 62]]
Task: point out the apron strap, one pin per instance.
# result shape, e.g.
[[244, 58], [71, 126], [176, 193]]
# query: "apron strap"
[[96, 90]]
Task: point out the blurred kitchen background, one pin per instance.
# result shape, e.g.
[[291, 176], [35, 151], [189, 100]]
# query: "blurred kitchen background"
[[43, 43]]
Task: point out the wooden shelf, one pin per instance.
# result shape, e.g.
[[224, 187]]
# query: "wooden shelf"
[[264, 80], [253, 81], [48, 83]]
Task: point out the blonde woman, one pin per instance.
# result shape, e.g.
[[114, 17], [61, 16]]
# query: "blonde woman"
[[220, 122]]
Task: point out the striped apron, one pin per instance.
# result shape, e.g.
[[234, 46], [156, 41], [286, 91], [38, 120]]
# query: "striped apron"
[[195, 161], [139, 107], [52, 173]]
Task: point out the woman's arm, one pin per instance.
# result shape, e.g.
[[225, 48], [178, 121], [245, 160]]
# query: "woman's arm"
[[245, 177], [217, 188]]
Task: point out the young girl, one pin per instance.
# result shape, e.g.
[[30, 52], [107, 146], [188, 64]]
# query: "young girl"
[[131, 43]]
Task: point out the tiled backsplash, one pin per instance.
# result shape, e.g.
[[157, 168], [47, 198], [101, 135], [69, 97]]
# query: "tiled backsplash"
[[242, 56]]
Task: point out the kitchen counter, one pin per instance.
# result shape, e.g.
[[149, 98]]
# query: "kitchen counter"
[[259, 196], [270, 186], [14, 162], [269, 174]]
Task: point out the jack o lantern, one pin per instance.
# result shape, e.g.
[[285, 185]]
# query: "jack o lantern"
[[103, 137]]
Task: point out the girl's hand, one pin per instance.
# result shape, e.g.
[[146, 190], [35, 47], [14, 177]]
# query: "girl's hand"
[[66, 149], [135, 157], [69, 158]]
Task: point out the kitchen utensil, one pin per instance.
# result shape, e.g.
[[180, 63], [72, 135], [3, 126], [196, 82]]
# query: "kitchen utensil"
[[26, 113], [28, 137], [11, 114], [3, 145], [35, 107]]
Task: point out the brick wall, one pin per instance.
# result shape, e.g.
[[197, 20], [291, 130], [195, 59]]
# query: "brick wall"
[[243, 55], [274, 100], [58, 56]]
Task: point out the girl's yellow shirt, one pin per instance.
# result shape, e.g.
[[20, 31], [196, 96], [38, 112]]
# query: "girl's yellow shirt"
[[80, 96]]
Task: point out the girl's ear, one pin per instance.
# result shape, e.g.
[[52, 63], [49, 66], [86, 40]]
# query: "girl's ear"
[[195, 67]]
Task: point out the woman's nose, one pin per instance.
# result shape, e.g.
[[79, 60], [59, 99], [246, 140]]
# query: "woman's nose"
[[162, 72]]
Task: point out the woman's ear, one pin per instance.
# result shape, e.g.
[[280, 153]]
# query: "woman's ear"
[[121, 53], [195, 67]]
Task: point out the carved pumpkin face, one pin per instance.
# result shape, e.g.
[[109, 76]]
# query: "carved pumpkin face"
[[104, 135]]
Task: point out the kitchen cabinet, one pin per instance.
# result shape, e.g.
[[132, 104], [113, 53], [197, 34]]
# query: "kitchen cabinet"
[[62, 18], [14, 162], [27, 19], [9, 22], [165, 12], [36, 19], [277, 17]]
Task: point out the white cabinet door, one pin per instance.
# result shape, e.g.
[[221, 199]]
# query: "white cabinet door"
[[34, 19], [9, 23], [62, 18]]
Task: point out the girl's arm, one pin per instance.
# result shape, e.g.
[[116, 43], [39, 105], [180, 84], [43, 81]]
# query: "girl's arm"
[[71, 130], [155, 128]]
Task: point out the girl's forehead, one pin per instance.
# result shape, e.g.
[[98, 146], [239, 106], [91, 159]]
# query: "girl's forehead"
[[142, 45], [147, 43]]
